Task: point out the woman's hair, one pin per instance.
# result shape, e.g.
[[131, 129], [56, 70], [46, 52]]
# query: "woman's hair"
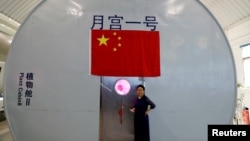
[[140, 86]]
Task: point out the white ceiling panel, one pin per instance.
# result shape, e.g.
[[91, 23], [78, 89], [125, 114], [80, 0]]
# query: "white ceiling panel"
[[17, 9], [228, 12]]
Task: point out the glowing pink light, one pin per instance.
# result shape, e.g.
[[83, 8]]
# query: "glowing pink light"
[[122, 87]]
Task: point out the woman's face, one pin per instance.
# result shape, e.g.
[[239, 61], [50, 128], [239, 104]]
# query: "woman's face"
[[140, 91]]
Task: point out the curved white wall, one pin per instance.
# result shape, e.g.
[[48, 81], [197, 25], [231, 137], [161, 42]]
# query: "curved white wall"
[[50, 94]]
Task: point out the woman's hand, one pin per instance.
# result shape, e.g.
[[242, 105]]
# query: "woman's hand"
[[146, 113], [132, 110]]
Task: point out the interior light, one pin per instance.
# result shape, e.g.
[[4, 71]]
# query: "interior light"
[[122, 87]]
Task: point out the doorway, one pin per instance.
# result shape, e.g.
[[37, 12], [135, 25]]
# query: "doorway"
[[116, 121]]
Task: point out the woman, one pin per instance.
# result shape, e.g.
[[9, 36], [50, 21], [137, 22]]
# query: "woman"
[[141, 109]]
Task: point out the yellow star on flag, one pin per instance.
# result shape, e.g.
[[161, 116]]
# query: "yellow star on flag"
[[103, 40]]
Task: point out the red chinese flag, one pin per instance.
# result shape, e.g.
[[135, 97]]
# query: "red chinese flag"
[[125, 53]]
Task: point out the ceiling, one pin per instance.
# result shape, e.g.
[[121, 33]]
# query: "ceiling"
[[228, 13]]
